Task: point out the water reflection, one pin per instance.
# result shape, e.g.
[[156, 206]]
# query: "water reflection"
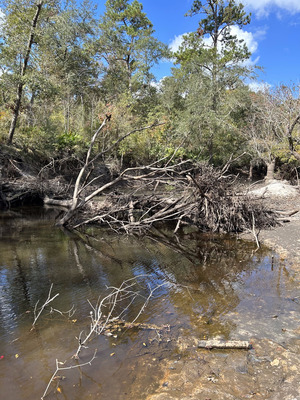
[[216, 286]]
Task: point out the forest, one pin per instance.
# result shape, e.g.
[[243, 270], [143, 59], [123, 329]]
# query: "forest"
[[81, 113]]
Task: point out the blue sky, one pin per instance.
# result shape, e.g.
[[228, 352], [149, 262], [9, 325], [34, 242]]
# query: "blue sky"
[[273, 35]]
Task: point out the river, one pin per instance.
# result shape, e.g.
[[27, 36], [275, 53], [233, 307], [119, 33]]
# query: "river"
[[207, 286]]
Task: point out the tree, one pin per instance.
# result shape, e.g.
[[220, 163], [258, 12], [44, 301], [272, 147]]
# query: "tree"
[[285, 101], [272, 124], [260, 132], [67, 60], [127, 48], [224, 52], [211, 73], [126, 51], [20, 36], [47, 61]]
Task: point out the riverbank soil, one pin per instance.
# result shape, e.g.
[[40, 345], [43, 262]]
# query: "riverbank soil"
[[271, 369], [268, 371]]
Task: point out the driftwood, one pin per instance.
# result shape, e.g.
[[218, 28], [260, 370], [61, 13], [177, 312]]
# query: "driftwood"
[[287, 213], [222, 344], [116, 302], [284, 215], [60, 203], [183, 194]]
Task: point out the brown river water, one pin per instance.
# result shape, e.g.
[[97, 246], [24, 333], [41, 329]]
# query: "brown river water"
[[213, 287]]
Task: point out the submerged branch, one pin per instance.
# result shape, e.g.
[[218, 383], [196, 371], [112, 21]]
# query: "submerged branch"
[[37, 313], [107, 312], [59, 368]]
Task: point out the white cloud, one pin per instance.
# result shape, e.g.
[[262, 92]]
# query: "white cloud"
[[263, 7], [176, 42], [158, 85], [260, 34], [248, 38], [259, 86], [2, 18]]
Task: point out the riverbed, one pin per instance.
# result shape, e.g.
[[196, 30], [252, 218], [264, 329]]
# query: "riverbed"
[[206, 286]]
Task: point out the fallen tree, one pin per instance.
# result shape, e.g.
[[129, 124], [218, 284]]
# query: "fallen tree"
[[183, 193], [139, 197], [84, 183]]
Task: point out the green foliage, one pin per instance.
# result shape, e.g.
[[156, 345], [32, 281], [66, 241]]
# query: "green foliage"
[[51, 144], [207, 88], [139, 149], [16, 30], [36, 139], [69, 142], [127, 48]]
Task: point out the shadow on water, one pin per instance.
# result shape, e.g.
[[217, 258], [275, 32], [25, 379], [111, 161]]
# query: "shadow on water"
[[217, 286]]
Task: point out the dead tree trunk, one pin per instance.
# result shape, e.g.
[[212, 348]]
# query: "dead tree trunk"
[[78, 188]]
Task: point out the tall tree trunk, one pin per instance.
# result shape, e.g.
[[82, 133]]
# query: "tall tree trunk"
[[67, 114], [16, 112], [270, 170], [20, 87], [129, 74]]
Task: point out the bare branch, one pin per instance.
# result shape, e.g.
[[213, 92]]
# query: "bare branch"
[[80, 187], [48, 301], [58, 368]]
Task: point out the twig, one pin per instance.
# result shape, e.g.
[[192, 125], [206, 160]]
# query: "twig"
[[109, 303], [254, 232], [58, 368], [148, 298], [70, 312], [48, 301]]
